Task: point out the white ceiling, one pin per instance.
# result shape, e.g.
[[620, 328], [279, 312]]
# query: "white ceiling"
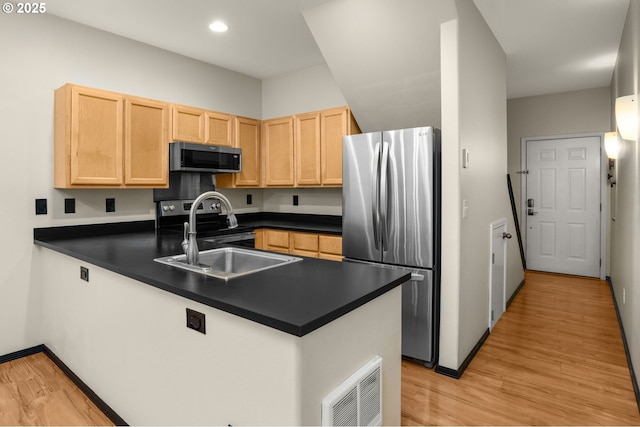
[[551, 45]]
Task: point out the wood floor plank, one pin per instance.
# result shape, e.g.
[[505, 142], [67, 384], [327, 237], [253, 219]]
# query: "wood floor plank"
[[556, 357], [34, 391]]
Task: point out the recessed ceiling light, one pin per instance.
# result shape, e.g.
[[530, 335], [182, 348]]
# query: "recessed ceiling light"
[[218, 27]]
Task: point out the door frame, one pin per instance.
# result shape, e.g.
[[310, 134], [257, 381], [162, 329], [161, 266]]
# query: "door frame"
[[604, 205], [497, 224]]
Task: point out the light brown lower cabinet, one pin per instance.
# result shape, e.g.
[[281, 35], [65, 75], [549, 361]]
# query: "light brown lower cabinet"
[[324, 246]]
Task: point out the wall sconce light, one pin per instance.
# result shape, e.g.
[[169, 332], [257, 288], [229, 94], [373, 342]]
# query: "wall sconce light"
[[627, 117], [611, 145]]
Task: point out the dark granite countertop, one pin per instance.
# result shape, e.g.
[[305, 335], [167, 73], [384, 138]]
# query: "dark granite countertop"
[[297, 298], [324, 224]]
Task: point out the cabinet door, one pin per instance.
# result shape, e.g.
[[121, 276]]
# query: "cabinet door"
[[188, 124], [259, 242], [278, 152], [305, 244], [276, 240], [146, 142], [248, 139], [218, 129], [96, 137], [335, 124], [330, 247], [308, 149]]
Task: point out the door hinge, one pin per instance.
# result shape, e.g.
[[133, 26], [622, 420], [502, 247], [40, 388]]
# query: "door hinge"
[[492, 315], [600, 207], [493, 258], [600, 262], [522, 172]]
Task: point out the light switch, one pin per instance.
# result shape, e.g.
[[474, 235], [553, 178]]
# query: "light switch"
[[465, 209]]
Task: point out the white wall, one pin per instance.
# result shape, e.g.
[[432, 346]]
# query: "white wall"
[[572, 112], [474, 118], [625, 230], [39, 54], [300, 91]]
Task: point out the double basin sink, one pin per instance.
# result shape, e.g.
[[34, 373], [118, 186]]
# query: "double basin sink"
[[229, 262]]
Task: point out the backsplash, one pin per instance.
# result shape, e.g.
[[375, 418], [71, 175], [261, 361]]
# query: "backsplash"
[[318, 201]]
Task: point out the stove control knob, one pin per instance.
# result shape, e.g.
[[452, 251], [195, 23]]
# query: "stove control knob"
[[172, 207], [165, 208]]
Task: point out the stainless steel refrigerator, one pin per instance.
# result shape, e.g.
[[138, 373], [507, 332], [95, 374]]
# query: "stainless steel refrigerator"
[[391, 217]]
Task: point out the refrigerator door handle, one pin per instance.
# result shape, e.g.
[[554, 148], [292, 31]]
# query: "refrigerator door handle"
[[375, 197], [416, 277], [384, 163]]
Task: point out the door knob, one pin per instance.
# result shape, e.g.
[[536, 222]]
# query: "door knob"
[[506, 235], [531, 212]]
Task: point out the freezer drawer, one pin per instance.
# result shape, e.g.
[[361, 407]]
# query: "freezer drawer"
[[418, 317]]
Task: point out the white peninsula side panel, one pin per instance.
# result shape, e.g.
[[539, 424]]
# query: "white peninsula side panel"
[[128, 341]]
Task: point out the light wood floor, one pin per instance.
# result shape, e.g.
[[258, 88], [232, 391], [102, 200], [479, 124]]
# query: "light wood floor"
[[556, 357], [34, 391]]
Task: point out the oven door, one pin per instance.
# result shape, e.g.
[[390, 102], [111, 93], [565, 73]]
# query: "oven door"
[[246, 239]]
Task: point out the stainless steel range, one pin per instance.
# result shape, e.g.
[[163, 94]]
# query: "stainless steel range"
[[212, 224], [173, 205]]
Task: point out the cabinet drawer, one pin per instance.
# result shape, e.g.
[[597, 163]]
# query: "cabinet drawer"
[[276, 239], [304, 241], [330, 244]]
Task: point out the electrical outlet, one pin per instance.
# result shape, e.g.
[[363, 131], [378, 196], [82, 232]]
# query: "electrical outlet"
[[41, 206], [295, 200], [249, 199], [110, 205], [69, 206], [84, 273], [196, 321]]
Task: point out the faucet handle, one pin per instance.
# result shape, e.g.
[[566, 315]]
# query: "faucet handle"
[[233, 221], [185, 241]]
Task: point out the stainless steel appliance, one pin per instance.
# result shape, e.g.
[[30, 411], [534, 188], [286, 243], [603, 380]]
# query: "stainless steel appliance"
[[188, 157], [192, 172], [212, 225], [391, 217]]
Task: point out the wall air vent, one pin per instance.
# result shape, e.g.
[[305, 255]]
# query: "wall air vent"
[[358, 400]]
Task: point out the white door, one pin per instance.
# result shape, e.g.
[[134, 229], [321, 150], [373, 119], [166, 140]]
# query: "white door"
[[563, 205], [498, 273]]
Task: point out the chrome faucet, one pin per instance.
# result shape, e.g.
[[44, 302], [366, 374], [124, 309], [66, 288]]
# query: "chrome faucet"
[[189, 244]]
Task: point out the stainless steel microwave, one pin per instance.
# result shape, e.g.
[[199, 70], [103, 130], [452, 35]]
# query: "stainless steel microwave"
[[188, 157]]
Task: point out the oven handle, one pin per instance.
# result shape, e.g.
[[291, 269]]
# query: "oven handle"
[[249, 235]]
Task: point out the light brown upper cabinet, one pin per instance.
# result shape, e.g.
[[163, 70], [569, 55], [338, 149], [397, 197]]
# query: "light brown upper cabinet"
[[201, 126], [146, 154], [278, 149], [218, 129], [247, 137], [188, 124], [308, 149], [318, 145], [334, 124], [105, 139]]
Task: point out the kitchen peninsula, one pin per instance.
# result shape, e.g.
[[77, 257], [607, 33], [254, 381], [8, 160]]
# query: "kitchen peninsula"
[[276, 342]]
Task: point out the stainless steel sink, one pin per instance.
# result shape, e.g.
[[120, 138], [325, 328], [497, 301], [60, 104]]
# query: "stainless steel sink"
[[229, 262]]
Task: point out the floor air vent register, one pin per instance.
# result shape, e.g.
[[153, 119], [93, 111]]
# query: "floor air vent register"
[[358, 400]]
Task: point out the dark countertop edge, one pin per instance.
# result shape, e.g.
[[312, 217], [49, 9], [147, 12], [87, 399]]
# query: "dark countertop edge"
[[336, 314], [91, 230], [326, 224]]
